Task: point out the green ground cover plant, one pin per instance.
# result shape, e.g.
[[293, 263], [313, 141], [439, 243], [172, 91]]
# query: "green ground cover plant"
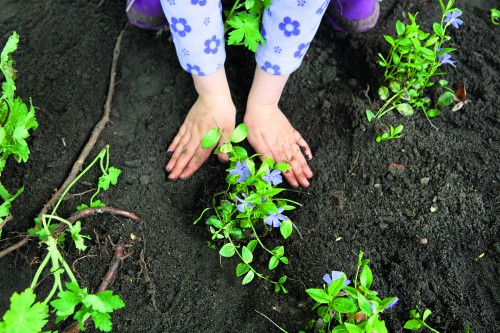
[[17, 120], [495, 16], [243, 22], [66, 299], [249, 209], [414, 66]]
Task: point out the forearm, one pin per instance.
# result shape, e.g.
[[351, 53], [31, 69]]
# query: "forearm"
[[266, 88]]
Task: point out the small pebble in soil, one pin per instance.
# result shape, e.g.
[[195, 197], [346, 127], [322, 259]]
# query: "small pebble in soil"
[[424, 241], [433, 208], [424, 180]]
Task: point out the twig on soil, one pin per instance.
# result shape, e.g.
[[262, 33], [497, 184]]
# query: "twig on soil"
[[366, 93], [77, 167], [73, 218], [106, 281], [4, 222]]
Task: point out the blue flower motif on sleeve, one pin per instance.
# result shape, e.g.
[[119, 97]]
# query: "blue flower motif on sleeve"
[[289, 27], [301, 3], [206, 21], [322, 9], [212, 45], [180, 26], [194, 69], [301, 50], [271, 69], [263, 33], [199, 2]]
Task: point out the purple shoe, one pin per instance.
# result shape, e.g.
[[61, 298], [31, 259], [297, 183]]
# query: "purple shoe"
[[146, 14], [353, 15]]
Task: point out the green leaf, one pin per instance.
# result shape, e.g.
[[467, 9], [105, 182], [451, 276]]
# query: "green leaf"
[[366, 277], [369, 116], [405, 109], [65, 303], [426, 314], [343, 305], [247, 255], [77, 238], [278, 251], [109, 178], [383, 93], [248, 278], [246, 30], [286, 228], [319, 295], [364, 305], [273, 262], [390, 40], [102, 321], [438, 29], [242, 269], [111, 302], [335, 287], [282, 166], [239, 134], [24, 315], [211, 138], [445, 99], [227, 250], [94, 302], [413, 325], [400, 27], [431, 113], [351, 328], [252, 244]]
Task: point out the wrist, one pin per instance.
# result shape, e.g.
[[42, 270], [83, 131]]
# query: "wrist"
[[213, 86], [266, 88]]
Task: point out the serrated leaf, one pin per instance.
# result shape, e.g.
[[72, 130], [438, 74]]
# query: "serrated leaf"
[[211, 138], [102, 321], [24, 315], [109, 178], [111, 302], [65, 303]]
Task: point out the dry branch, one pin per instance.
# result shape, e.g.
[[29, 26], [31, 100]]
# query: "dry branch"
[[106, 282], [77, 166]]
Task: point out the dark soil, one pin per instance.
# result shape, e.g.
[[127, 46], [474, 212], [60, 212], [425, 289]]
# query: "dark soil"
[[64, 61]]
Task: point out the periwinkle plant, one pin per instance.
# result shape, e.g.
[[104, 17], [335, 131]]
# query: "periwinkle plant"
[[249, 208], [345, 307], [414, 60]]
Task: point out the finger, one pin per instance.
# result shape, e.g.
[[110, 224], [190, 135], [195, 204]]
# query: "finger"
[[294, 157], [180, 149], [184, 158], [259, 145], [281, 156], [304, 147], [175, 143], [197, 160]]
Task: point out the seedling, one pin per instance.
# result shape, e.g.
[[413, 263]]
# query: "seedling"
[[415, 59], [243, 23], [417, 321], [248, 208], [344, 308], [16, 122], [28, 316], [495, 16]]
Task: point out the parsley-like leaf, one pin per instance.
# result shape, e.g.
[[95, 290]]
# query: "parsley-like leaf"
[[24, 314], [109, 178], [246, 30]]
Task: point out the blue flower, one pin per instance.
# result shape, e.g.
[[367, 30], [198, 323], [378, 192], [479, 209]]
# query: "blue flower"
[[289, 27], [242, 170], [194, 69], [390, 305], [212, 45], [446, 59], [271, 69], [243, 204], [452, 18], [335, 276], [273, 177], [180, 26], [274, 219], [301, 50], [199, 2]]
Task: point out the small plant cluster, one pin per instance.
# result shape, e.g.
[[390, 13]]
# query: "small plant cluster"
[[495, 16], [29, 316], [414, 60], [345, 308], [417, 321], [16, 122], [243, 22], [249, 209]]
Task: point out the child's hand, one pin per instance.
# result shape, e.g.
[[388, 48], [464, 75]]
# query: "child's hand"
[[213, 108]]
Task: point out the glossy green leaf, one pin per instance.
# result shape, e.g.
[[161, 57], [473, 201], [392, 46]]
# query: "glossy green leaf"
[[211, 138], [227, 250], [286, 228], [248, 278], [239, 134], [247, 255]]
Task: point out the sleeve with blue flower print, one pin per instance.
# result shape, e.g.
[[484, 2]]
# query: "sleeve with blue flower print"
[[288, 26], [198, 34]]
